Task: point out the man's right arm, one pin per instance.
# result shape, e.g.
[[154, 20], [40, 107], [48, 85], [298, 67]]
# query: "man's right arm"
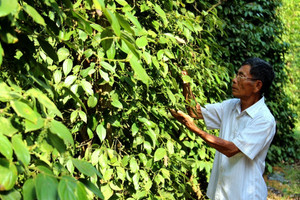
[[193, 111]]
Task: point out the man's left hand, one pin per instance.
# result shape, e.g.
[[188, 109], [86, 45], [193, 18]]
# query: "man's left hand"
[[183, 118]]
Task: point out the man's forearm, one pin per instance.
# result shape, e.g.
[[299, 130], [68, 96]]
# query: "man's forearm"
[[223, 146]]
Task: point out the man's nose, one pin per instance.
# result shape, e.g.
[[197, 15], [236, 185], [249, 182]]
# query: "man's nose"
[[234, 80]]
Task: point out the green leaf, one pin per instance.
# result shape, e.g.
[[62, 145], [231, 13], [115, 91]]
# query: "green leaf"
[[20, 149], [82, 116], [121, 173], [113, 21], [57, 76], [7, 6], [70, 80], [142, 42], [30, 126], [8, 174], [106, 43], [6, 147], [101, 132], [92, 188], [23, 110], [139, 72], [75, 97], [62, 131], [159, 154], [134, 129], [29, 190], [115, 101], [99, 4], [122, 2], [170, 147], [57, 143], [11, 195], [46, 187], [171, 96], [1, 54], [135, 180], [45, 101], [63, 54], [104, 75], [87, 86], [67, 66], [134, 167], [107, 66], [6, 127], [124, 23], [81, 192], [88, 71], [92, 101], [67, 188], [48, 49], [161, 13], [107, 191], [85, 167], [82, 22], [130, 43], [73, 116]]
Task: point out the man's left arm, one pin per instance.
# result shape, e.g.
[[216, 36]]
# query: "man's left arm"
[[223, 146]]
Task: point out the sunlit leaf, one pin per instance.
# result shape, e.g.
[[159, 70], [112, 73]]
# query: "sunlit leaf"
[[34, 14], [45, 101], [5, 147], [7, 6], [134, 167], [87, 86], [107, 191], [30, 126], [70, 80], [159, 154], [23, 110], [57, 76], [85, 167], [62, 131], [92, 101], [139, 72], [101, 132], [20, 149], [63, 54], [8, 175], [142, 42], [6, 127], [82, 116], [67, 66]]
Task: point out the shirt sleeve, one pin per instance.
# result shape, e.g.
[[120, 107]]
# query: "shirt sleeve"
[[252, 139], [212, 115]]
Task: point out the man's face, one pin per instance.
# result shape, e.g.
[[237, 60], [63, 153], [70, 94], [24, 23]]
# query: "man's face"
[[243, 84]]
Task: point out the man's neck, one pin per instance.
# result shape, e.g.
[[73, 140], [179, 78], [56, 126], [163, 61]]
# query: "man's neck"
[[247, 102]]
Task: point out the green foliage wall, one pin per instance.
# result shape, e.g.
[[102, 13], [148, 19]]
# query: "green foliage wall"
[[85, 91]]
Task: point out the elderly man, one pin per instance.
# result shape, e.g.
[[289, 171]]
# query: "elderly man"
[[247, 128]]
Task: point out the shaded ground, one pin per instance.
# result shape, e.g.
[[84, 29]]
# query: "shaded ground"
[[284, 182]]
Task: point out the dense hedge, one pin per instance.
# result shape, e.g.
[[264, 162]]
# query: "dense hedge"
[[86, 86]]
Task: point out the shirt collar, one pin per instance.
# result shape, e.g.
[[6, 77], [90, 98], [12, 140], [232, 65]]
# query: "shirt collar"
[[252, 110]]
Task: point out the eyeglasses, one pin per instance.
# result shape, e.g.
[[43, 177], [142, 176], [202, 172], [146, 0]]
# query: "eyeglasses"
[[242, 77]]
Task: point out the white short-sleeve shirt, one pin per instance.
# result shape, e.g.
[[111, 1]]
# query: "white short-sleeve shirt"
[[240, 177]]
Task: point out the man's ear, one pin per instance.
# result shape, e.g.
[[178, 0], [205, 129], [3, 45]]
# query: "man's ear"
[[258, 85]]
